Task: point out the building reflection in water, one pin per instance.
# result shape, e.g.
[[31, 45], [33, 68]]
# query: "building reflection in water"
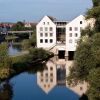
[[47, 79], [55, 75]]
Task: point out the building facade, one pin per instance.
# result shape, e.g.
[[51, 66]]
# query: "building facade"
[[61, 37]]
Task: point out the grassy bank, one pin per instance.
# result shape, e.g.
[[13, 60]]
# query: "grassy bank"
[[34, 60]]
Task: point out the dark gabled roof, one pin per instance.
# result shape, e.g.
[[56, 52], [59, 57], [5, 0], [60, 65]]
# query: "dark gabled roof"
[[52, 18]]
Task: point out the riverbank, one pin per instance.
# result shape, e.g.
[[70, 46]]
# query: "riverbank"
[[36, 56]]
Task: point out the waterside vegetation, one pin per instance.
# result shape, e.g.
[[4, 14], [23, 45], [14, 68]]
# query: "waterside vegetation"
[[87, 58]]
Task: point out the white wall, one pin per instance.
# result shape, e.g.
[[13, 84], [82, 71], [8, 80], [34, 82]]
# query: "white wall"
[[46, 20], [74, 23]]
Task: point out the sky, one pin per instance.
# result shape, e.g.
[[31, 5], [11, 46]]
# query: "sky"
[[34, 10]]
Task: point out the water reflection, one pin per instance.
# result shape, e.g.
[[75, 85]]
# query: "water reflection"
[[13, 50], [55, 75], [6, 92], [47, 82], [47, 78]]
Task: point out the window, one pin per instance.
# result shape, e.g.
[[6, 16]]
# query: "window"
[[51, 40], [51, 29], [76, 35], [46, 80], [48, 23], [80, 22], [44, 85], [51, 74], [51, 34], [70, 41], [41, 80], [81, 88], [46, 74], [48, 85], [46, 34], [70, 28], [41, 40], [51, 80], [41, 28], [41, 34], [46, 29], [44, 23], [76, 28], [51, 68], [70, 34], [46, 40]]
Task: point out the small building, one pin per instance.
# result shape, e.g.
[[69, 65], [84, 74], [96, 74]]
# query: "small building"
[[27, 25]]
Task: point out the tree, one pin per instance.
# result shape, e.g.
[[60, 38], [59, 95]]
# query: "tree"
[[82, 63], [96, 2], [19, 26], [26, 44], [95, 13], [33, 39], [38, 54], [5, 62], [87, 62], [6, 93], [84, 97], [94, 81]]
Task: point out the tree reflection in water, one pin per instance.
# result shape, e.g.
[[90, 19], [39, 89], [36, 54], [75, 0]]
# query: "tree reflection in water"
[[38, 67], [6, 91]]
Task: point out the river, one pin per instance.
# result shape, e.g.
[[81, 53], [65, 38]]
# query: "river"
[[50, 83]]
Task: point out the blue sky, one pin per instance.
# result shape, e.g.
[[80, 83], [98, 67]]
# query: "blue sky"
[[34, 10]]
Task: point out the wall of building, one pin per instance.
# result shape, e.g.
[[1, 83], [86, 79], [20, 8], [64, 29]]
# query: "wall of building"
[[73, 32], [46, 33], [47, 38]]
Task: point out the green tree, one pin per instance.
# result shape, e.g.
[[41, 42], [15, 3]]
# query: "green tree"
[[96, 2], [5, 62], [19, 26], [94, 81], [95, 13], [87, 57], [38, 54], [26, 44], [6, 93], [33, 39]]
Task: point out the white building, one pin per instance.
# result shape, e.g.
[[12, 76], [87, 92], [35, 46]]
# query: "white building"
[[46, 33], [61, 37]]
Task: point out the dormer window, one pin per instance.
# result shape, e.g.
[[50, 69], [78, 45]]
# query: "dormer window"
[[44, 23], [80, 22]]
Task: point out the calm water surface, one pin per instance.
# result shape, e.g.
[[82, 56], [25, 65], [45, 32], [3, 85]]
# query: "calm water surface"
[[25, 87], [47, 84], [13, 50]]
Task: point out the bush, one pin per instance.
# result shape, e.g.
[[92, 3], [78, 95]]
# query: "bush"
[[5, 72], [38, 54]]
